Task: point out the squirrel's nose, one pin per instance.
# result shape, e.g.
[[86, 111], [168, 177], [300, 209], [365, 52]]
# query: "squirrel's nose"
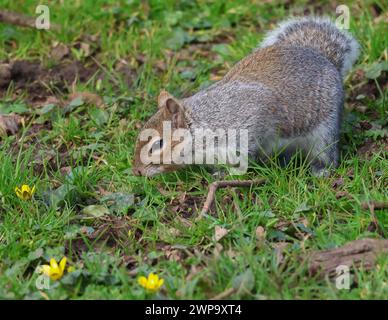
[[136, 171]]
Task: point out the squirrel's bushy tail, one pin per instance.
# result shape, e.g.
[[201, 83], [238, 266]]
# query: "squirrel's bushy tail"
[[318, 33]]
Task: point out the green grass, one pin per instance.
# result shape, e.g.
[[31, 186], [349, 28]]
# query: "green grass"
[[84, 154]]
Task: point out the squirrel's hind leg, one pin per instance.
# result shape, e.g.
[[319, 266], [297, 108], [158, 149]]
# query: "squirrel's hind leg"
[[323, 150]]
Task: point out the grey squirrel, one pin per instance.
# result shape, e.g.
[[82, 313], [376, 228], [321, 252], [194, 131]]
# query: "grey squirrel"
[[288, 94]]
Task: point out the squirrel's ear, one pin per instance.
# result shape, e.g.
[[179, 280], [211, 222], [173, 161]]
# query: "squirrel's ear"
[[176, 113], [162, 98], [173, 106]]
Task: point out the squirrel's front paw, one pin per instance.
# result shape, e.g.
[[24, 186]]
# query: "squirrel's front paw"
[[319, 171]]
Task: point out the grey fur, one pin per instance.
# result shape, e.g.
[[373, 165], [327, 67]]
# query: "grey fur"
[[320, 34], [307, 92], [288, 94]]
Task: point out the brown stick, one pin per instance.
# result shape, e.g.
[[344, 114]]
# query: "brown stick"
[[21, 20], [223, 184], [359, 253], [378, 205], [224, 294]]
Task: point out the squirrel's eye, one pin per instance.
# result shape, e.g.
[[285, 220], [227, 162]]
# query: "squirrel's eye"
[[157, 145]]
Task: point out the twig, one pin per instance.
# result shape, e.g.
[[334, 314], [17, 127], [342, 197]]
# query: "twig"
[[355, 254], [223, 294], [374, 225], [379, 205], [21, 20], [223, 184], [106, 71]]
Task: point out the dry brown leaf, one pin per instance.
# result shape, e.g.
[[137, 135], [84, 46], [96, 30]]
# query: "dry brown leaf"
[[217, 250], [172, 253], [362, 109], [65, 170], [87, 97], [337, 183], [231, 253], [194, 270], [9, 124], [46, 101], [59, 51], [219, 233], [305, 222], [280, 248], [260, 233], [85, 48], [342, 194], [174, 232]]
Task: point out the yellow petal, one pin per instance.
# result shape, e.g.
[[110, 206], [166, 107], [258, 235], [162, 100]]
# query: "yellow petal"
[[142, 281], [19, 194], [53, 263], [160, 283], [33, 190], [62, 264], [45, 269], [26, 188], [55, 275], [26, 195]]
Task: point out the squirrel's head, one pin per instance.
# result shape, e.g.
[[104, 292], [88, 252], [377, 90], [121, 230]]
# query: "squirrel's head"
[[152, 144]]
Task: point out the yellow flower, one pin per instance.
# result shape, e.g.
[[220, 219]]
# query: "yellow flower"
[[25, 192], [152, 283], [53, 270]]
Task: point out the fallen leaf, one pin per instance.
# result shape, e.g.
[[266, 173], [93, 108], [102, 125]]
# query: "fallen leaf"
[[177, 39], [337, 183], [55, 198], [174, 232], [173, 254], [267, 214], [95, 211], [219, 233], [231, 253], [99, 116], [217, 250], [13, 107], [342, 194], [65, 170], [34, 255], [280, 248], [305, 222], [59, 51], [73, 104], [119, 202], [85, 48], [9, 124], [260, 233], [361, 109], [374, 71], [86, 98], [302, 208]]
